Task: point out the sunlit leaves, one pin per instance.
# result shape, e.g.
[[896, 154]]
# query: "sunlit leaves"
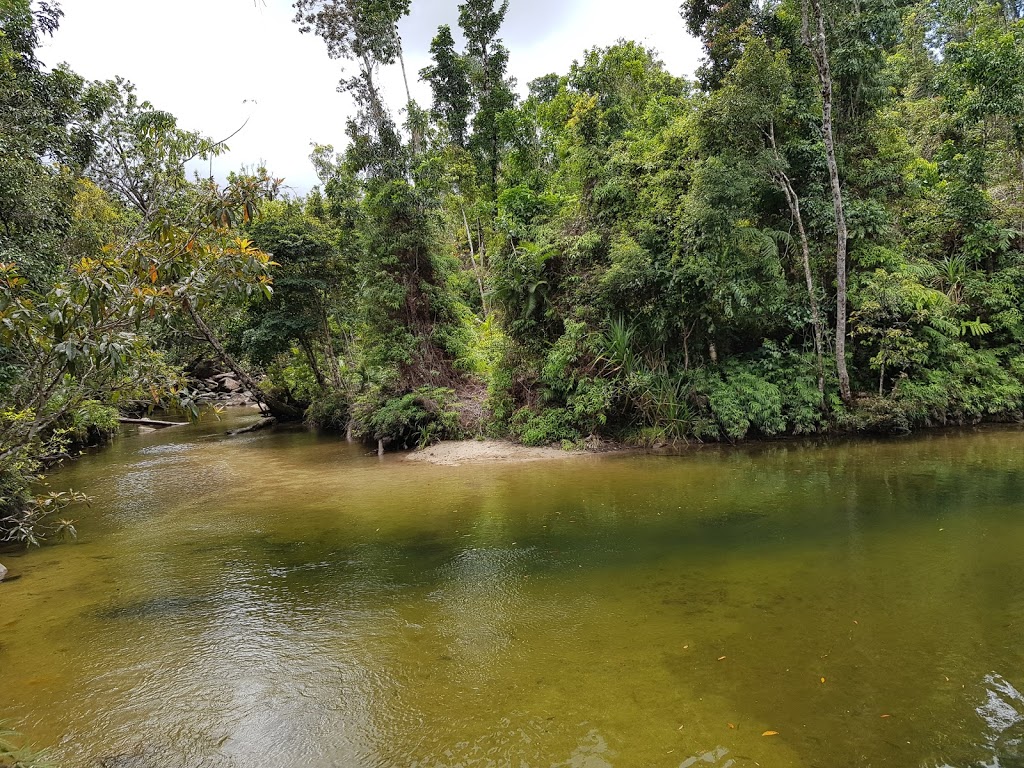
[[89, 335]]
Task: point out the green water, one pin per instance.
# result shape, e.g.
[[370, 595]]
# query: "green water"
[[290, 601]]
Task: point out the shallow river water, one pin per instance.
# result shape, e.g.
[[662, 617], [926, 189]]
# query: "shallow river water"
[[288, 600]]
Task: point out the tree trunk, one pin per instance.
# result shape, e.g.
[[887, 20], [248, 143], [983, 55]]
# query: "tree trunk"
[[417, 139], [313, 364], [819, 51], [278, 407], [329, 351], [472, 256], [259, 426], [152, 423], [793, 201], [376, 105]]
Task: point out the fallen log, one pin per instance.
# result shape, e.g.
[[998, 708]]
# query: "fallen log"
[[259, 426], [153, 423]]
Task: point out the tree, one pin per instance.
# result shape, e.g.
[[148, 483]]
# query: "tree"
[[449, 80], [755, 106], [481, 21], [719, 24], [309, 275], [141, 154], [44, 143], [88, 340], [364, 31], [817, 42]]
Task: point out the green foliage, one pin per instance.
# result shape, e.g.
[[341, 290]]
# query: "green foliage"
[[141, 152], [744, 402], [487, 62], [44, 144], [449, 80], [291, 376], [91, 422], [330, 412], [544, 427], [419, 418], [310, 272]]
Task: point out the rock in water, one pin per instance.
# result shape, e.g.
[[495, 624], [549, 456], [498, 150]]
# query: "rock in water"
[[3, 572]]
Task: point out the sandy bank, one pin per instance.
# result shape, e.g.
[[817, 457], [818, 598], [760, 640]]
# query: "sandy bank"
[[452, 454]]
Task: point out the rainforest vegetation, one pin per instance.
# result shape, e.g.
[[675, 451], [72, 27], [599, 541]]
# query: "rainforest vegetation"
[[823, 231]]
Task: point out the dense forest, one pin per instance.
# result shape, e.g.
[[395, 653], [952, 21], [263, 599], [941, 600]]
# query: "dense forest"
[[824, 231]]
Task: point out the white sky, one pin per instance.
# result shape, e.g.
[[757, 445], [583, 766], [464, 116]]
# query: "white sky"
[[214, 63]]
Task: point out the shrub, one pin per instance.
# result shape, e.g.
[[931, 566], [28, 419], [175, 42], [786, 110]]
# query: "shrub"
[[91, 423], [419, 418], [549, 425], [330, 411], [744, 401]]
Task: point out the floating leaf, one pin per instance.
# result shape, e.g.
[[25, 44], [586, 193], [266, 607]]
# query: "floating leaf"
[[770, 733], [886, 716], [732, 726], [823, 680], [721, 658]]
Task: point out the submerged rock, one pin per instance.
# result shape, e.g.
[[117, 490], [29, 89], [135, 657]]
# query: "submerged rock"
[[162, 607]]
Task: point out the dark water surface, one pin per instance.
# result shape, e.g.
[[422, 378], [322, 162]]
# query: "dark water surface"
[[286, 600]]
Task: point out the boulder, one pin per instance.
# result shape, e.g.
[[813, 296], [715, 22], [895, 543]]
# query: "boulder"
[[204, 369], [3, 572], [231, 385], [222, 376]]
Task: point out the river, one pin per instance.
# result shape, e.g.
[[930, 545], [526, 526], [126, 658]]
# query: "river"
[[288, 600]]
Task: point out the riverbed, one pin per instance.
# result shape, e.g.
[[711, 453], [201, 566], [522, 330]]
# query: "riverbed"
[[289, 600]]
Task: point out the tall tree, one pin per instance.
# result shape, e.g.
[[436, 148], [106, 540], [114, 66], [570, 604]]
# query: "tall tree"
[[481, 22], [405, 298], [816, 41], [309, 274], [364, 31], [449, 80], [719, 24], [141, 152], [43, 143], [754, 110]]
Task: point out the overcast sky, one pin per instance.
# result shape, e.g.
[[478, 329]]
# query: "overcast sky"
[[215, 63]]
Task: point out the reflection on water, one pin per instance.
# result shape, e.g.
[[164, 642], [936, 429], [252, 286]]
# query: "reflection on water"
[[288, 600]]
